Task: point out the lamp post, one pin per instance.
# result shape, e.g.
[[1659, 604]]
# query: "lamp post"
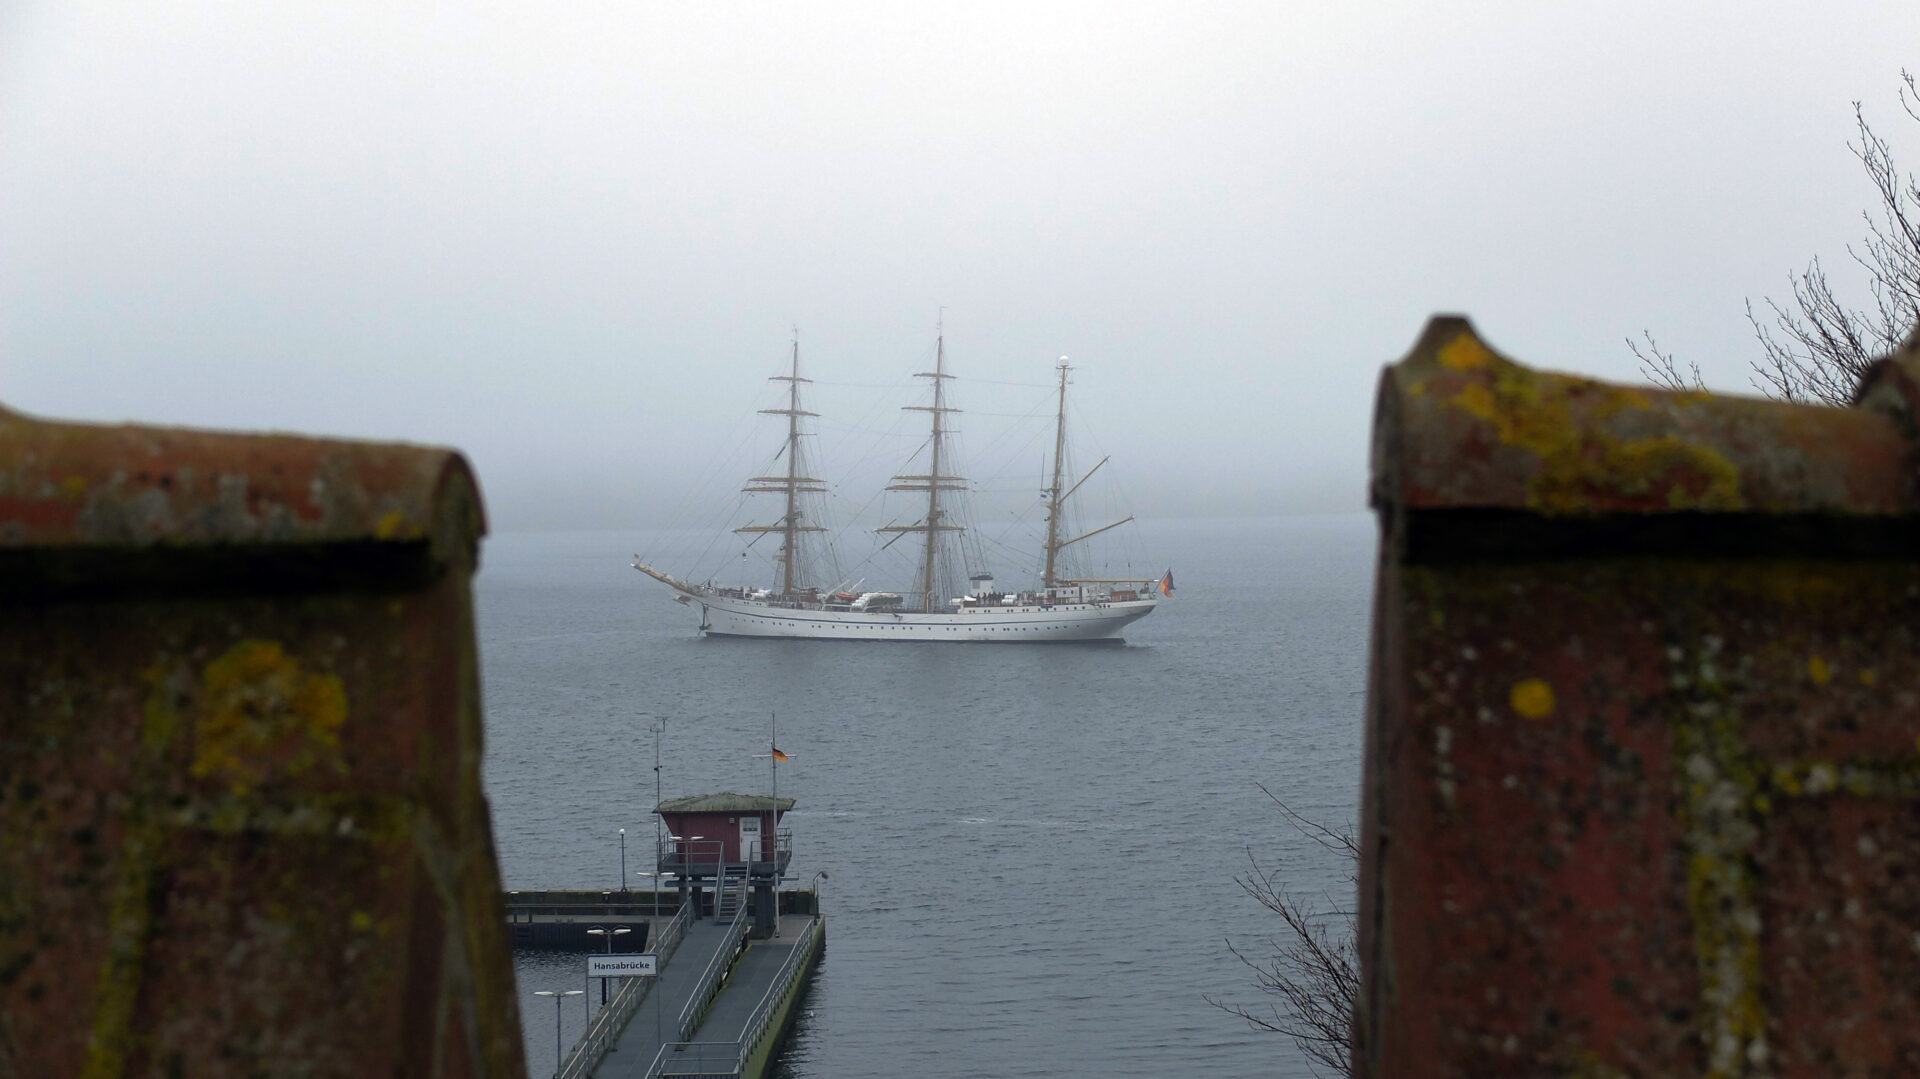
[[691, 840], [654, 907], [623, 860], [600, 931], [814, 886], [678, 858], [609, 934], [557, 996], [683, 856]]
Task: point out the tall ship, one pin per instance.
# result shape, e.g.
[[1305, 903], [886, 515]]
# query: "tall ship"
[[1057, 608]]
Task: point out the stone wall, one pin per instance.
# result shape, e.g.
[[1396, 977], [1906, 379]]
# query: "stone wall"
[[1642, 790], [241, 824]]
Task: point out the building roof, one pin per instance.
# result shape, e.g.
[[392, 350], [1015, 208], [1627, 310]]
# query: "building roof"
[[727, 802]]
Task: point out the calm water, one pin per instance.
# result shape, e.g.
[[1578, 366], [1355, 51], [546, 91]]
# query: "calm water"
[[1032, 849]]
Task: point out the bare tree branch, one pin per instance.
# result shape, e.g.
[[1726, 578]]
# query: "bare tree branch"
[[1817, 347], [1814, 347], [1661, 369], [1311, 967]]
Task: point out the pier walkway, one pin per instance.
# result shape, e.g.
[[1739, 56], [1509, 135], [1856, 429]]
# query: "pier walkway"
[[664, 1033]]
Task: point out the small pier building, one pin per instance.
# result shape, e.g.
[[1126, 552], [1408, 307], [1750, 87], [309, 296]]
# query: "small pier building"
[[722, 972], [728, 849]]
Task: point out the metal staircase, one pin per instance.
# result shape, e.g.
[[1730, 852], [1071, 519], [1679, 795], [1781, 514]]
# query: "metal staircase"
[[730, 892]]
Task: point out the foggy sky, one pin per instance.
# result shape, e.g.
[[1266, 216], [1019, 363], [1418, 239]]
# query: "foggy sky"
[[573, 240]]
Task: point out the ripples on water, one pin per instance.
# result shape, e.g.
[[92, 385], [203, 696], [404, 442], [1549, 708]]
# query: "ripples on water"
[[1032, 849]]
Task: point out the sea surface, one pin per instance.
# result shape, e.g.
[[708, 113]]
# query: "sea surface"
[[1031, 851]]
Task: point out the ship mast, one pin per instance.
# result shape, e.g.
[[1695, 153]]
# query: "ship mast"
[[935, 481], [1057, 498], [793, 484]]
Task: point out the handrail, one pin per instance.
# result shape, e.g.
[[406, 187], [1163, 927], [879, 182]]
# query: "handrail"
[[704, 989], [677, 855], [717, 1059], [696, 1060], [707, 986], [675, 930], [760, 1020], [611, 1021]]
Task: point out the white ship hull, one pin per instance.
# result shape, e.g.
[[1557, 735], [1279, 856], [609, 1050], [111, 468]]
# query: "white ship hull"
[[725, 616]]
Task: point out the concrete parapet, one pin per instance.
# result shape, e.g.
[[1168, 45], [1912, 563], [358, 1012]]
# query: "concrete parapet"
[[241, 824], [1642, 788]]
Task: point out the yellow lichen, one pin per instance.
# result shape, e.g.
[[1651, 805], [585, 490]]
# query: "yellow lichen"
[[1680, 475], [1532, 698], [1476, 399], [1723, 797], [162, 719], [1817, 671], [1786, 779], [121, 973], [1579, 459], [1465, 353], [262, 714]]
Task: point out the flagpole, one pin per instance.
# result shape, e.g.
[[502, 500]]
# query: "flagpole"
[[770, 836], [772, 759]]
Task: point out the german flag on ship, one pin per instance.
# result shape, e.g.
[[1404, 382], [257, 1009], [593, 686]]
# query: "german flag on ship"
[[1166, 584]]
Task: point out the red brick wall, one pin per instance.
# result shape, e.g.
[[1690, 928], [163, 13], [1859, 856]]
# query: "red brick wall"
[[241, 825], [1642, 790]]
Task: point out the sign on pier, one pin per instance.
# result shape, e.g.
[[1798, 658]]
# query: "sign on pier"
[[622, 966]]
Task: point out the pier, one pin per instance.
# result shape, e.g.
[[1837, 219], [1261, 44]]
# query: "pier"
[[720, 1004], [730, 957], [566, 919]]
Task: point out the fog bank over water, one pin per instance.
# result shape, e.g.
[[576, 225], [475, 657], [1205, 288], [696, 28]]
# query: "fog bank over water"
[[574, 242]]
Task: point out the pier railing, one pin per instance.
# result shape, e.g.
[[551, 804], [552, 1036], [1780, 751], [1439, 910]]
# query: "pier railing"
[[723, 1060], [608, 1024], [708, 985], [698, 1060], [699, 1000], [598, 902], [707, 858], [760, 1021]]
